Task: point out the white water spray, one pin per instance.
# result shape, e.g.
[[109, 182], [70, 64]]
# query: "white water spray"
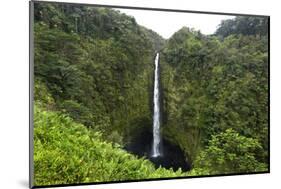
[[156, 111]]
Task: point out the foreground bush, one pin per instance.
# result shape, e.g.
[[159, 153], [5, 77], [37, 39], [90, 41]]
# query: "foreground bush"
[[66, 152], [229, 152]]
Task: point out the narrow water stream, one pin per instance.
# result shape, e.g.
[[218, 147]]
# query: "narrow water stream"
[[156, 111]]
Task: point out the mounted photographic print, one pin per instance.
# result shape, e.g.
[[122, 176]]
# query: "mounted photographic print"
[[122, 94]]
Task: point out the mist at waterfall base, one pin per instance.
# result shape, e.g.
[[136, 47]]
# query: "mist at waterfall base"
[[149, 143]]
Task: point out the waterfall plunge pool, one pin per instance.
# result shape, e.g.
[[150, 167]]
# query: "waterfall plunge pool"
[[171, 155]]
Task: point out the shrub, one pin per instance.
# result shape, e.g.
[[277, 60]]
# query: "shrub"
[[66, 152]]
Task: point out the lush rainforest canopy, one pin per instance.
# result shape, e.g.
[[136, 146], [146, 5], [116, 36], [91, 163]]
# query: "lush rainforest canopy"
[[93, 80]]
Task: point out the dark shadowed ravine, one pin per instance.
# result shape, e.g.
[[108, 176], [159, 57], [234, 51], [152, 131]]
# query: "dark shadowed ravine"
[[171, 155]]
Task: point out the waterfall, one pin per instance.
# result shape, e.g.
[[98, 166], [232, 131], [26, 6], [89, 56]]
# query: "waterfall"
[[156, 111]]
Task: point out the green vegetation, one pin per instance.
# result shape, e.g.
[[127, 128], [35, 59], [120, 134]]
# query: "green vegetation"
[[96, 63], [211, 85], [230, 152], [67, 152], [245, 25], [93, 93]]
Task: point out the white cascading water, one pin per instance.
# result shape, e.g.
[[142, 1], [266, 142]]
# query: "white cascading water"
[[156, 111]]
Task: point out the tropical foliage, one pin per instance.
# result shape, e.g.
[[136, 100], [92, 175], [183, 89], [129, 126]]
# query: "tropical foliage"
[[67, 153], [211, 85]]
